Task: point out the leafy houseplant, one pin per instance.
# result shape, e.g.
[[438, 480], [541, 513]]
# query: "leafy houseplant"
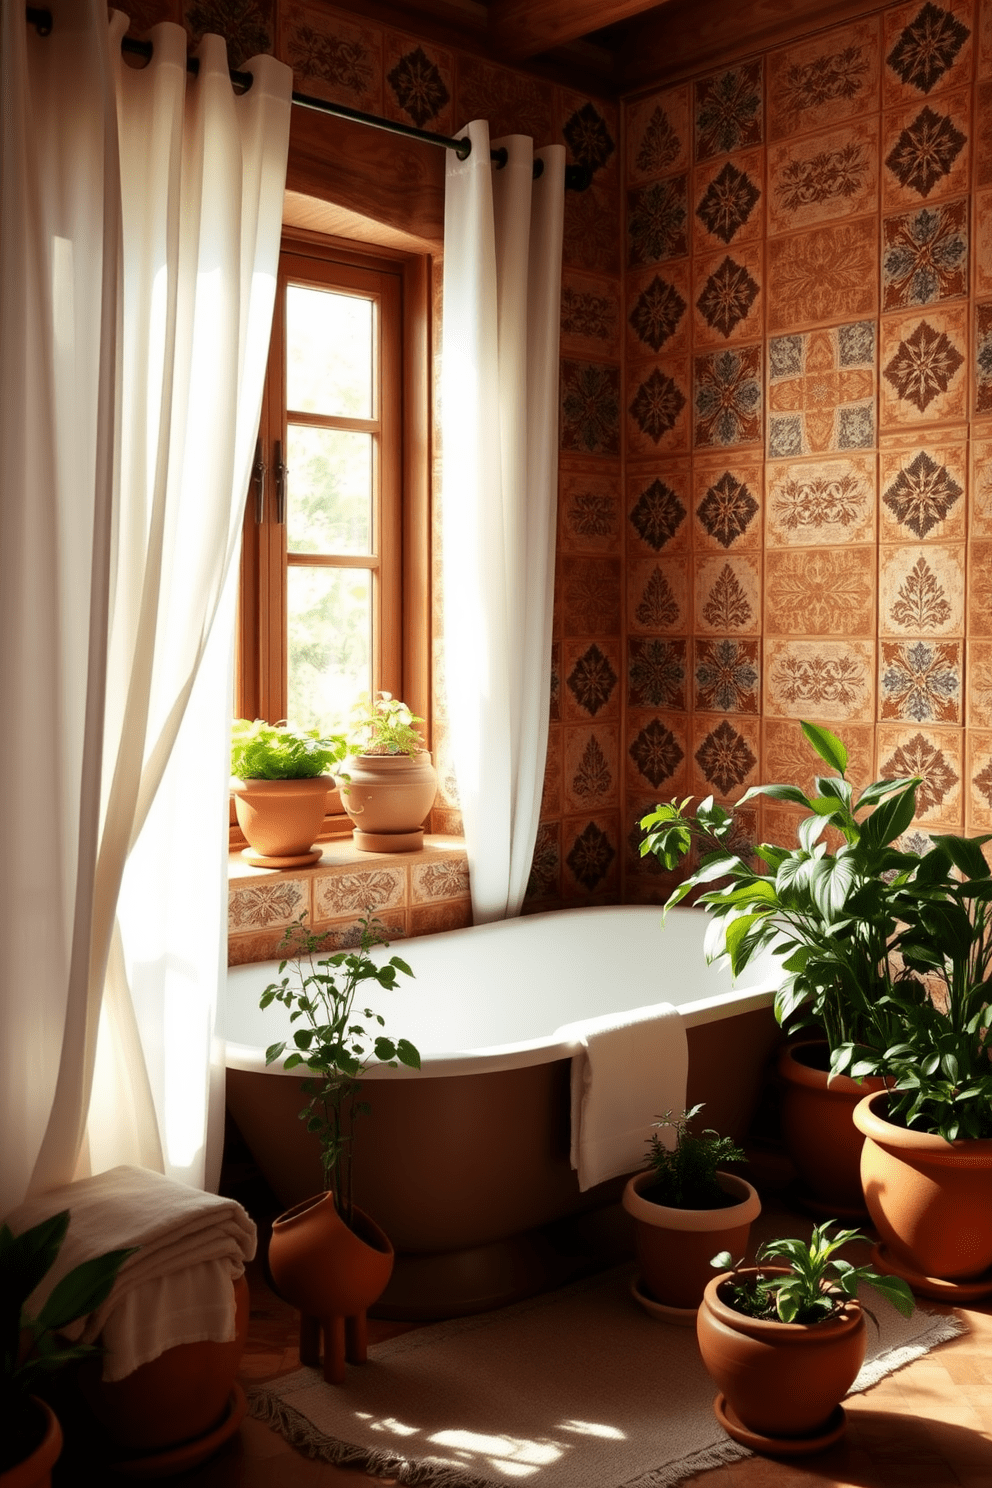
[[785, 1343], [280, 782], [32, 1348], [265, 751], [682, 1208], [381, 724], [388, 782]]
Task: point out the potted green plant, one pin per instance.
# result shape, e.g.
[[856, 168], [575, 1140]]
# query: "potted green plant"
[[387, 781], [829, 917], [326, 1255], [280, 777], [33, 1349], [785, 1343], [683, 1206]]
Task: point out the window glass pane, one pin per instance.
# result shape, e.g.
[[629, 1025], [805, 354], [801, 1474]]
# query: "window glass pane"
[[328, 353], [330, 642], [329, 509]]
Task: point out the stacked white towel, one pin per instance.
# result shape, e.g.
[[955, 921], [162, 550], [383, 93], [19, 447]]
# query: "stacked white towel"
[[631, 1068], [175, 1289]]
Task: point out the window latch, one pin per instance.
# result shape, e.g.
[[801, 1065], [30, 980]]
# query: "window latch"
[[281, 472], [258, 481]]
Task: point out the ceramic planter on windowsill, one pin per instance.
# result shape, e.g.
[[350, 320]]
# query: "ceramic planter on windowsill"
[[281, 819], [387, 797]]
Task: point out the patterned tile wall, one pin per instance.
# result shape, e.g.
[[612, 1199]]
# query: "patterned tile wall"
[[808, 368]]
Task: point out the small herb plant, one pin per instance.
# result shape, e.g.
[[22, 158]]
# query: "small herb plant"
[[31, 1348], [685, 1176], [267, 751], [818, 1283], [333, 1043], [383, 725]]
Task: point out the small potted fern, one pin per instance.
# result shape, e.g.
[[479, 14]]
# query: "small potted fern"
[[280, 777], [684, 1208], [387, 782]]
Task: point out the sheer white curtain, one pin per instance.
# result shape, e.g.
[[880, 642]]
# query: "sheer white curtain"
[[141, 214], [499, 411]]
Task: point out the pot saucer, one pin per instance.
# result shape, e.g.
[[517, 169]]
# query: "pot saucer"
[[934, 1287], [187, 1454], [684, 1317], [780, 1446], [300, 860]]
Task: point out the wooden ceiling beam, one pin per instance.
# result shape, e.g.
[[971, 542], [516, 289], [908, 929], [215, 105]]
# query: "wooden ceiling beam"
[[519, 29]]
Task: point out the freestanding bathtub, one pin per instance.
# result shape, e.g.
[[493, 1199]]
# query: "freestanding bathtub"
[[465, 1164]]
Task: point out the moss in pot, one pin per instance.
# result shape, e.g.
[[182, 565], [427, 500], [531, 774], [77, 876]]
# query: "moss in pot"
[[684, 1206]]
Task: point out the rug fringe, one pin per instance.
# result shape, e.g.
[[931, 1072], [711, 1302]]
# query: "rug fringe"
[[718, 1455], [943, 1328], [300, 1432]]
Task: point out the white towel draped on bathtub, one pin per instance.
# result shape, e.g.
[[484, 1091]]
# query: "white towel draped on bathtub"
[[631, 1069], [177, 1288]]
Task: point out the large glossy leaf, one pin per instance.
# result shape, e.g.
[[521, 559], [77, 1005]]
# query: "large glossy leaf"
[[889, 820], [966, 854], [827, 746]]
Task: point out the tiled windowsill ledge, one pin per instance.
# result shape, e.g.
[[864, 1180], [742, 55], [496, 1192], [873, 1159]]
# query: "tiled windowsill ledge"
[[412, 893]]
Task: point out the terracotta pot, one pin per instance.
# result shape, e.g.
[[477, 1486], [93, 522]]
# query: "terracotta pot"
[[281, 819], [35, 1470], [930, 1200], [819, 1131], [675, 1246], [332, 1274], [781, 1381], [387, 797], [182, 1397]]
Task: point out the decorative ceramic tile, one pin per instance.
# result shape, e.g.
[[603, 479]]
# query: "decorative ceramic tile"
[[513, 101], [590, 239], [591, 680], [726, 505], [445, 878], [588, 507], [923, 361], [790, 760], [245, 950], [925, 152], [447, 785], [248, 26], [591, 768], [820, 679], [545, 868], [983, 61], [982, 240], [334, 58], [983, 358], [657, 413], [657, 597], [825, 591], [727, 296], [346, 935], [927, 48], [821, 81], [657, 509], [827, 274], [590, 315], [978, 802], [358, 892], [980, 517], [979, 590], [725, 756], [727, 201], [727, 398], [921, 590], [656, 673], [728, 110], [922, 491], [420, 82], [658, 221], [590, 408], [658, 134], [553, 769], [983, 134], [822, 177], [432, 919], [821, 391], [726, 675], [657, 751], [590, 131], [591, 862], [932, 753], [920, 681], [925, 256], [817, 503], [727, 595], [446, 822], [264, 903], [590, 593], [658, 316]]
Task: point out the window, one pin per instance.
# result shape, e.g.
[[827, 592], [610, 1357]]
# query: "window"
[[334, 590]]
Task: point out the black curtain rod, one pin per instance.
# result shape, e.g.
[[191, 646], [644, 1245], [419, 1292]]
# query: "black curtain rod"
[[577, 177]]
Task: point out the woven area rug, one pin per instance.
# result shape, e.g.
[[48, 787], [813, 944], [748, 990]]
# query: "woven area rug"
[[579, 1388]]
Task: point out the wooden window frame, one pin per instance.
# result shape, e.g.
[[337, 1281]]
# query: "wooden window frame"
[[402, 626]]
